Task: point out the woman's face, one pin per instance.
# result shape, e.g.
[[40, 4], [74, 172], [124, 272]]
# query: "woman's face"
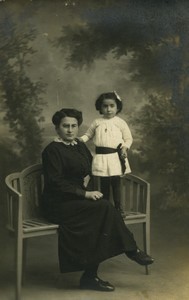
[[68, 129]]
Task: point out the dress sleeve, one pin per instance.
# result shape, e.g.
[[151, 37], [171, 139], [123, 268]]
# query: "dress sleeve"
[[55, 176], [126, 133], [89, 133]]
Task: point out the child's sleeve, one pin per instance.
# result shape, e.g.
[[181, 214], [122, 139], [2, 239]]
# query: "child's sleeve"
[[127, 136], [89, 133]]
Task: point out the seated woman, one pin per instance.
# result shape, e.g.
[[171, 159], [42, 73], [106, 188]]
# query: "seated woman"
[[91, 229]]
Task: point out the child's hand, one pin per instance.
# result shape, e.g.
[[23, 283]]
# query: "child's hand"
[[124, 152], [80, 139]]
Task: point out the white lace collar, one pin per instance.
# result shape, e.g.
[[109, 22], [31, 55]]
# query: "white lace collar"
[[60, 140]]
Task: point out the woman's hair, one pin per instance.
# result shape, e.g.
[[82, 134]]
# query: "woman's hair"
[[67, 112], [110, 95]]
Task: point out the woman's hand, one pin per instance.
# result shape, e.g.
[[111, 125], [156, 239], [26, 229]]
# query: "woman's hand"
[[94, 195]]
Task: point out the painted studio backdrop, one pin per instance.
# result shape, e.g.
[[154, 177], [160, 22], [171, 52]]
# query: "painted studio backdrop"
[[56, 54]]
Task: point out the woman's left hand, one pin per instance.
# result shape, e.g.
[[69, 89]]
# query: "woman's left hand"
[[94, 195]]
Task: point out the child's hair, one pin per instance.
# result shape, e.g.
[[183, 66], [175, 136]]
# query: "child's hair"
[[110, 95]]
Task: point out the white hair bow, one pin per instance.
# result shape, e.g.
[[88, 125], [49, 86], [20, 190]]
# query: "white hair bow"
[[117, 96]]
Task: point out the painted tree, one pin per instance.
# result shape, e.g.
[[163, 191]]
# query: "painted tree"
[[20, 97], [156, 34]]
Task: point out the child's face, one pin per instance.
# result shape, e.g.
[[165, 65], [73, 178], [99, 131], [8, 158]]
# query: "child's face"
[[109, 108]]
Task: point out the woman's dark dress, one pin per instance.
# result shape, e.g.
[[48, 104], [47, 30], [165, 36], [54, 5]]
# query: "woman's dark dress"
[[90, 231]]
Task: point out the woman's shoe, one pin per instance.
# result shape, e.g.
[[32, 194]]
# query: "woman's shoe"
[[140, 257], [96, 283]]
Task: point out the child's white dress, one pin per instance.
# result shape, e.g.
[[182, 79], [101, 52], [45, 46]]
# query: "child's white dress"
[[109, 133]]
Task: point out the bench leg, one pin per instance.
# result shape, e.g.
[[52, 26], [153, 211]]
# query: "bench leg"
[[25, 242], [18, 262], [146, 242]]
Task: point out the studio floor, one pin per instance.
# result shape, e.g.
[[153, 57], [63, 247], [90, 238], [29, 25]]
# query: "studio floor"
[[168, 279]]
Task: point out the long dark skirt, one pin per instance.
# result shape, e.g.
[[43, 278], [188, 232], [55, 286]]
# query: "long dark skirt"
[[90, 232]]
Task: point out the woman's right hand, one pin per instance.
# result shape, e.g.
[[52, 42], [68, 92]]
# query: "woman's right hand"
[[94, 195]]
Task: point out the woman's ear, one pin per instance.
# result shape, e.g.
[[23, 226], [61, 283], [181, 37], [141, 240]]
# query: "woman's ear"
[[57, 130]]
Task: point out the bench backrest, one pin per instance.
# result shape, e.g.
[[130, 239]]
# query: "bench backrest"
[[31, 187], [135, 194], [24, 191], [28, 184]]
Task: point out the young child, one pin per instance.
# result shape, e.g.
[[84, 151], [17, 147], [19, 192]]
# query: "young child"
[[112, 138]]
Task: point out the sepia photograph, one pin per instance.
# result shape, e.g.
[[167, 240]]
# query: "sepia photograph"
[[94, 149]]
